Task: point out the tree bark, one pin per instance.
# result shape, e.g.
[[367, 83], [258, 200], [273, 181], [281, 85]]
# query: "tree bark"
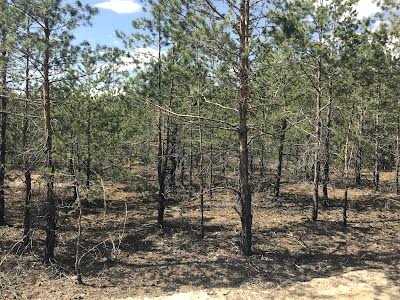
[[160, 155], [346, 169], [4, 102], [326, 178], [318, 143], [211, 180], [398, 148], [190, 162], [51, 209], [358, 166], [88, 150], [26, 162], [376, 153], [201, 176], [245, 193], [278, 174], [182, 174], [173, 158]]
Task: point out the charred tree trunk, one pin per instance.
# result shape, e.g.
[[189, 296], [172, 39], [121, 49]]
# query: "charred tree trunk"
[[160, 156], [318, 143], [182, 174], [358, 165], [224, 167], [88, 151], [346, 169], [72, 169], [211, 181], [376, 153], [245, 193], [4, 102], [173, 158], [278, 174], [398, 148], [327, 149], [160, 173], [78, 251], [51, 209], [26, 162], [201, 176], [262, 160], [190, 162]]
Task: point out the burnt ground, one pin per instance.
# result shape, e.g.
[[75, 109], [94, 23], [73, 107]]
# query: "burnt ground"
[[127, 255]]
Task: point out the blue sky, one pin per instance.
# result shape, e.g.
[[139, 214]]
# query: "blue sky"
[[118, 15], [113, 15]]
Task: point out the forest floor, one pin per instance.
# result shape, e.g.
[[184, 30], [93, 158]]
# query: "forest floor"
[[128, 257]]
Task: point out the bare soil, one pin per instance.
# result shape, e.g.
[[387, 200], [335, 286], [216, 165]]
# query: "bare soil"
[[127, 256]]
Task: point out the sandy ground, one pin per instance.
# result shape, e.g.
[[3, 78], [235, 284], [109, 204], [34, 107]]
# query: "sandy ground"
[[362, 285], [128, 257]]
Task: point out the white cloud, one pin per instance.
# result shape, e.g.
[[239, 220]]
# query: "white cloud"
[[366, 8], [138, 59], [120, 6]]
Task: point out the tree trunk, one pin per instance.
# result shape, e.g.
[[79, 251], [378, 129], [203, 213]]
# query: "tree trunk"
[[398, 148], [182, 174], [51, 209], [211, 181], [88, 151], [376, 152], [26, 162], [173, 158], [190, 161], [346, 169], [358, 166], [201, 176], [72, 168], [160, 155], [327, 149], [245, 193], [262, 160], [318, 143], [4, 101], [278, 174]]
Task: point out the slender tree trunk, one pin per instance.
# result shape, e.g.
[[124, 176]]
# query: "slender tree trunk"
[[160, 172], [173, 158], [318, 143], [211, 181], [4, 101], [182, 175], [398, 148], [262, 160], [346, 169], [172, 131], [201, 175], [78, 255], [245, 193], [26, 162], [71, 168], [376, 152], [326, 178], [88, 150], [190, 162], [78, 247], [358, 165], [51, 209], [160, 156], [278, 174]]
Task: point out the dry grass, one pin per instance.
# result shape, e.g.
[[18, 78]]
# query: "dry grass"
[[131, 257]]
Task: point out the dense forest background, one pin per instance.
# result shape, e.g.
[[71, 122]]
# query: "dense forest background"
[[246, 105]]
